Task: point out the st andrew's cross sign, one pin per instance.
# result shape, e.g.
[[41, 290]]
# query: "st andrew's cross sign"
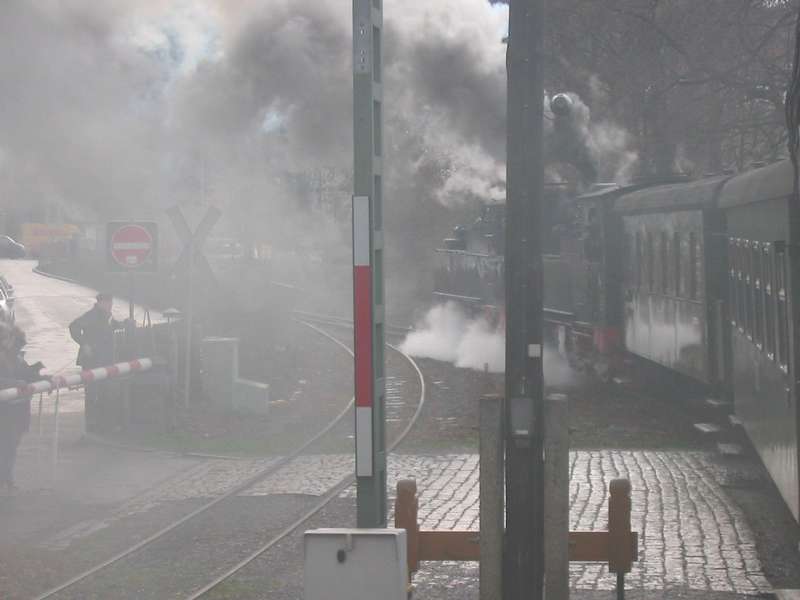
[[192, 256]]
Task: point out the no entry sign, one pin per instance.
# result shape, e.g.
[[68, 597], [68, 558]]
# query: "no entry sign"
[[132, 246]]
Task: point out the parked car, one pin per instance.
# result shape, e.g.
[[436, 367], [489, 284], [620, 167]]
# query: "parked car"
[[10, 248], [7, 313], [8, 289]]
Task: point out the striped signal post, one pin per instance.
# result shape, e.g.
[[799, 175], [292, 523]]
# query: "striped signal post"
[[368, 310]]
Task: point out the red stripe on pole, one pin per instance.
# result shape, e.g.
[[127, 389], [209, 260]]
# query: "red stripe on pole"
[[112, 371], [135, 365], [362, 280], [87, 376]]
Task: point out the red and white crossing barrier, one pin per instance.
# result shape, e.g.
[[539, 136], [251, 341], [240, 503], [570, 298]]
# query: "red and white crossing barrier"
[[76, 379]]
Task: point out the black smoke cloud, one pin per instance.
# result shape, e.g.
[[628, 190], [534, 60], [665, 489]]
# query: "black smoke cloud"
[[94, 118]]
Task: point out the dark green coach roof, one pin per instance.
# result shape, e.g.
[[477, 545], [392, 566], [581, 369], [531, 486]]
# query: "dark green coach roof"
[[676, 196], [759, 185]]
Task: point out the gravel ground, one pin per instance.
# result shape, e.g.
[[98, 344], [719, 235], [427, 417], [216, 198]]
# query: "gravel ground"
[[191, 555], [310, 382]]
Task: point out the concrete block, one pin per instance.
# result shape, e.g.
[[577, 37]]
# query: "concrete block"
[[718, 403], [355, 564], [220, 367], [707, 427], [730, 449], [251, 396], [221, 381]]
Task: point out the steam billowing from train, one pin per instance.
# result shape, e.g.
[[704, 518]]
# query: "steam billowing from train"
[[237, 96], [597, 150], [447, 333], [120, 109], [110, 103]]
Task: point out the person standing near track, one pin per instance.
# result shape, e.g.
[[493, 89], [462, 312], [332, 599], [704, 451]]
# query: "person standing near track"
[[93, 331], [15, 417]]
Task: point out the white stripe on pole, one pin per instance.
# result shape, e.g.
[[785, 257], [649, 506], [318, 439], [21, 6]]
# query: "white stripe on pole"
[[363, 441], [131, 245], [361, 230]]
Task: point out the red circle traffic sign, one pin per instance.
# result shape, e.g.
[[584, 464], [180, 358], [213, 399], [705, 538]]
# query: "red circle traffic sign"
[[131, 246]]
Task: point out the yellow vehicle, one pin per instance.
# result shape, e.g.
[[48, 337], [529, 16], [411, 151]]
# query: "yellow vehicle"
[[36, 236]]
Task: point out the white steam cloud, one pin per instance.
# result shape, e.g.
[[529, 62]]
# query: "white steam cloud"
[[448, 334]]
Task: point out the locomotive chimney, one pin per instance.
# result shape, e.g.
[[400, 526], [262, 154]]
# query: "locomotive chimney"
[[568, 140]]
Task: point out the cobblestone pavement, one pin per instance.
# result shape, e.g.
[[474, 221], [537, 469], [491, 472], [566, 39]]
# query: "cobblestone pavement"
[[692, 535]]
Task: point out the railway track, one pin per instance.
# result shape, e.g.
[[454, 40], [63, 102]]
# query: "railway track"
[[184, 541]]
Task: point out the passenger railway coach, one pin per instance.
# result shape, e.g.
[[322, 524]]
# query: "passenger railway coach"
[[706, 293], [691, 275], [762, 360]]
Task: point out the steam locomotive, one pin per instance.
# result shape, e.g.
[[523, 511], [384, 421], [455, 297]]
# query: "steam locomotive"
[[691, 275]]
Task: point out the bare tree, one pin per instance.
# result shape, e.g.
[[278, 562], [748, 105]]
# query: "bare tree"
[[696, 83]]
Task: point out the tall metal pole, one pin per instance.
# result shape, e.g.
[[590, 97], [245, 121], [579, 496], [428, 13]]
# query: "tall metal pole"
[[792, 261], [368, 291], [188, 315], [524, 548]]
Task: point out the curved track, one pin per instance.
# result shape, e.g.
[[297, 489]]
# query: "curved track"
[[274, 468], [326, 499]]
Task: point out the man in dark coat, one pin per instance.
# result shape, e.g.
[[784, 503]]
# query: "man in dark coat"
[[15, 416], [94, 333]]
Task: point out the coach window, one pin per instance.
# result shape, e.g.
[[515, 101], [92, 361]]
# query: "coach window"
[[664, 266], [676, 258], [758, 300], [733, 291], [650, 261], [639, 262], [782, 313], [630, 262], [693, 259], [768, 284], [741, 293], [747, 272]]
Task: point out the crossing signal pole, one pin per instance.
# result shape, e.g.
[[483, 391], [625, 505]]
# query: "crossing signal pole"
[[368, 296], [524, 543]]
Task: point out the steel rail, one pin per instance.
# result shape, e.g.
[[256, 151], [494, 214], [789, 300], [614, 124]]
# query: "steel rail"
[[337, 321], [256, 479], [332, 494]]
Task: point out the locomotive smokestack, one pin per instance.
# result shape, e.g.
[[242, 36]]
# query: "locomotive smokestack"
[[561, 105], [569, 139]]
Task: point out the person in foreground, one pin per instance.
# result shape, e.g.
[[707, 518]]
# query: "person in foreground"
[[15, 416]]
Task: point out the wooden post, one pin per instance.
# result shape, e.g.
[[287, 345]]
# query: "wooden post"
[[491, 497], [620, 550], [405, 517], [556, 497]]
